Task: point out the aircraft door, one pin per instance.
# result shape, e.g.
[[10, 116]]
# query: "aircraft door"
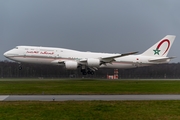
[[24, 52], [56, 54]]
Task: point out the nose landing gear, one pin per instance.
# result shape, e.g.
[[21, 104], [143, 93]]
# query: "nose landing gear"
[[20, 67]]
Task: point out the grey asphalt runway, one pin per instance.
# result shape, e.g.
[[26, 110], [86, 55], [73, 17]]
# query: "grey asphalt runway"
[[86, 97]]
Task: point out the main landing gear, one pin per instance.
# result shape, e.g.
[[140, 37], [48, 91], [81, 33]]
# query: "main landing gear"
[[87, 71]]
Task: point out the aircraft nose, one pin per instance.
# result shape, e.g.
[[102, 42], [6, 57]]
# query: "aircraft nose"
[[6, 54]]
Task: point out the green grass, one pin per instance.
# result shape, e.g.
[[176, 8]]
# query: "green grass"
[[91, 110], [88, 86]]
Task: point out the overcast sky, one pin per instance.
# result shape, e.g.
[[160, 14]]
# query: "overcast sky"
[[111, 26]]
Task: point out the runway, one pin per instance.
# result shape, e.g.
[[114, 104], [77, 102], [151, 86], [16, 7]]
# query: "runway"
[[86, 97]]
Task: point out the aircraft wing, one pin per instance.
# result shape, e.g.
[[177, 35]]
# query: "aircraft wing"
[[60, 62], [111, 58], [103, 60], [108, 59], [161, 59]]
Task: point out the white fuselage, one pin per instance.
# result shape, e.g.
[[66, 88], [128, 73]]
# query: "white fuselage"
[[48, 55]]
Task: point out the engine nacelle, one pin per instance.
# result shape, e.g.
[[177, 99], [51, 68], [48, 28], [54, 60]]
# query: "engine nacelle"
[[92, 62], [71, 65]]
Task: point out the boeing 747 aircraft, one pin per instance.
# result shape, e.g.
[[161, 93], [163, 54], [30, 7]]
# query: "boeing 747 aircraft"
[[89, 62]]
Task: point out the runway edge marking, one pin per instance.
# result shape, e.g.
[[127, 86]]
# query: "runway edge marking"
[[3, 97]]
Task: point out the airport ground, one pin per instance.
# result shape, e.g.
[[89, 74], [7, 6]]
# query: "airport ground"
[[88, 110], [88, 86]]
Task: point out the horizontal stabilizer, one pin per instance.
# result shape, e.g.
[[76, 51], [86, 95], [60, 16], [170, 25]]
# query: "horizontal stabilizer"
[[161, 59]]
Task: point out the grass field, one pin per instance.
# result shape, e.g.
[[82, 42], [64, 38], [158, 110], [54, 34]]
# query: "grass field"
[[91, 110], [88, 86]]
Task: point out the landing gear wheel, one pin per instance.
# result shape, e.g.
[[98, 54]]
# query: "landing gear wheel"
[[87, 71], [92, 72], [20, 67], [83, 71]]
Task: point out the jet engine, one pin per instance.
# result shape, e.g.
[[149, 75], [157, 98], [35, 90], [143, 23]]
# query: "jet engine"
[[92, 62], [71, 65]]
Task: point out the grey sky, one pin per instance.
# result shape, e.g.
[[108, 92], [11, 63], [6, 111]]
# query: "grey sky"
[[113, 26]]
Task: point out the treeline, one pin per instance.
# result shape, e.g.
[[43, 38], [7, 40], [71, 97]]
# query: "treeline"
[[10, 70]]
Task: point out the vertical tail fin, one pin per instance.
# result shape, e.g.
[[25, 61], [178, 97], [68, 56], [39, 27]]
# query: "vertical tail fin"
[[161, 48]]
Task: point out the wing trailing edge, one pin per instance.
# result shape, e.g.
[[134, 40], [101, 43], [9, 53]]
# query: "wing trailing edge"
[[112, 58]]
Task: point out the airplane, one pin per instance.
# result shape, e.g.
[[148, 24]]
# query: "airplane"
[[89, 62]]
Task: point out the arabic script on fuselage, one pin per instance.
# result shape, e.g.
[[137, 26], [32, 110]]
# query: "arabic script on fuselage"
[[40, 52]]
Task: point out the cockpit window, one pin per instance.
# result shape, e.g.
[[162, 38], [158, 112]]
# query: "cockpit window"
[[16, 47]]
